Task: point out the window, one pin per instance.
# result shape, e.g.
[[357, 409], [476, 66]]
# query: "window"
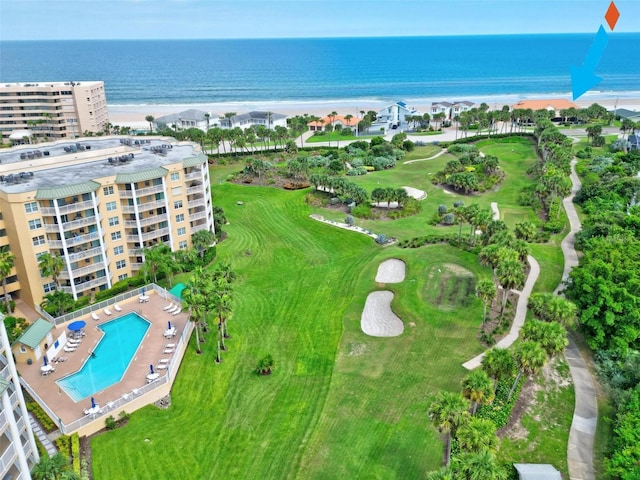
[[123, 276], [177, 204], [119, 250], [35, 224], [39, 240], [31, 207], [175, 176], [180, 218], [182, 244], [108, 190], [120, 264], [49, 287], [176, 191], [116, 236], [113, 221], [111, 206], [182, 231]]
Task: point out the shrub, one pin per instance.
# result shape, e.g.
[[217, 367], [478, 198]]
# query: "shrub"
[[42, 417], [63, 443], [500, 410], [110, 422], [349, 220], [449, 219], [75, 452], [364, 210], [458, 204], [382, 239], [442, 209]]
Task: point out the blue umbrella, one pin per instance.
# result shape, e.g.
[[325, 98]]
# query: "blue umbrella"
[[46, 362], [169, 325], [77, 325], [93, 403], [151, 367], [142, 291]]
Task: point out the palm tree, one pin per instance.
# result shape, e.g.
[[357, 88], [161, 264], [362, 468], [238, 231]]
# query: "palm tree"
[[478, 388], [477, 435], [530, 357], [50, 468], [51, 266], [445, 473], [478, 466], [157, 260], [510, 275], [201, 240], [448, 412], [499, 363], [6, 265], [150, 119], [551, 336], [485, 291], [194, 301], [332, 117]]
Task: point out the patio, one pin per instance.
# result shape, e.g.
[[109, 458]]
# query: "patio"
[[131, 392]]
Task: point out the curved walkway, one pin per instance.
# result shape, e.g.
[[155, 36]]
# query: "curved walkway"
[[519, 317], [441, 152], [585, 414]]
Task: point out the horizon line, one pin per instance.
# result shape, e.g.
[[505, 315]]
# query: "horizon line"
[[340, 37]]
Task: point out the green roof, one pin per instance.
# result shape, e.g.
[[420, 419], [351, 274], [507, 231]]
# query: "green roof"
[[66, 190], [195, 161], [4, 384], [35, 333], [141, 176]]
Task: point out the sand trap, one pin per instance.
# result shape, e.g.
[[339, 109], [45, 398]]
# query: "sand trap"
[[391, 271], [378, 320], [412, 192]]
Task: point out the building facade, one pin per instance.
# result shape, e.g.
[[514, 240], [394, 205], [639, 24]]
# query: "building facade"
[[50, 111], [18, 451], [98, 203]]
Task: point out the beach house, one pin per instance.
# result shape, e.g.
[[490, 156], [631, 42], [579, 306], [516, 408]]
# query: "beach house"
[[396, 116], [191, 118], [624, 113], [441, 107], [555, 106], [254, 118], [318, 125], [461, 106]]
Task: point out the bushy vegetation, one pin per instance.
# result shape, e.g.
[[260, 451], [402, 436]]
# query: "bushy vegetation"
[[43, 418], [470, 172]]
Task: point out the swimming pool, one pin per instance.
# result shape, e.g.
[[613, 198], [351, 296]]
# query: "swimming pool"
[[116, 349]]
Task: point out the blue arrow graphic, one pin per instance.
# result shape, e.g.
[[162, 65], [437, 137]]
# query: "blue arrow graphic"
[[583, 78]]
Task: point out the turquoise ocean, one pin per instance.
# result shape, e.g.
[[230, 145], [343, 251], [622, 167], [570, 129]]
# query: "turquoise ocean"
[[167, 72]]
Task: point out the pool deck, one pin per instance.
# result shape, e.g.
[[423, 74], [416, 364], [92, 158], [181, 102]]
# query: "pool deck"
[[149, 352]]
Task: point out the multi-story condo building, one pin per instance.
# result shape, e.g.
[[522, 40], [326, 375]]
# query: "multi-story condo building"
[[51, 111], [97, 203], [18, 451]]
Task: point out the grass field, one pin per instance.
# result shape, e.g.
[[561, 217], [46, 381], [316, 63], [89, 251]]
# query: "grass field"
[[334, 138], [339, 404]]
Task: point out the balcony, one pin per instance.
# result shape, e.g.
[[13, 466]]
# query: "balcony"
[[136, 266], [196, 202], [198, 215], [78, 240], [70, 208], [79, 272], [197, 228], [145, 222], [8, 457], [91, 252], [81, 287], [195, 190], [79, 223], [196, 175], [141, 192], [149, 235], [143, 207]]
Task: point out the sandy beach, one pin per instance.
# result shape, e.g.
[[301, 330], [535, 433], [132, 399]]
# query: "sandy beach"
[[128, 114]]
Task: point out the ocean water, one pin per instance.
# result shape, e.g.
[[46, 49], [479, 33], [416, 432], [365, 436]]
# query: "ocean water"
[[202, 71]]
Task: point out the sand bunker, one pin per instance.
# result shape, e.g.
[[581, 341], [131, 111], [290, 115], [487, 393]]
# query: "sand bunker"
[[378, 320], [412, 192], [391, 271]]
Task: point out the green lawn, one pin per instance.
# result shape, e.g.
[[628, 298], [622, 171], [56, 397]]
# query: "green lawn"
[[300, 299], [333, 138], [339, 404], [544, 432]]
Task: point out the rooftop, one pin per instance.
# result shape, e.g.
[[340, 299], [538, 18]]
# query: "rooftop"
[[556, 104], [191, 115], [537, 471], [259, 115], [35, 333], [48, 165], [49, 84]]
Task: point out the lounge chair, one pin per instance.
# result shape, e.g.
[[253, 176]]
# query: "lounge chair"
[[170, 345], [125, 396], [162, 366], [169, 307], [67, 349], [135, 391], [177, 312], [164, 360], [110, 405], [95, 316], [168, 350], [117, 308], [86, 411], [107, 311], [175, 308]]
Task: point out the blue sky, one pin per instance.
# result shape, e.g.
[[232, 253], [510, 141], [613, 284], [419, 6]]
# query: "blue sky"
[[129, 19]]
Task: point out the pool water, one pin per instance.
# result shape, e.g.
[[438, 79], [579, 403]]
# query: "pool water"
[[112, 356]]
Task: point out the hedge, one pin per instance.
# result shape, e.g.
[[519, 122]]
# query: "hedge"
[[42, 417], [75, 452], [499, 410]]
